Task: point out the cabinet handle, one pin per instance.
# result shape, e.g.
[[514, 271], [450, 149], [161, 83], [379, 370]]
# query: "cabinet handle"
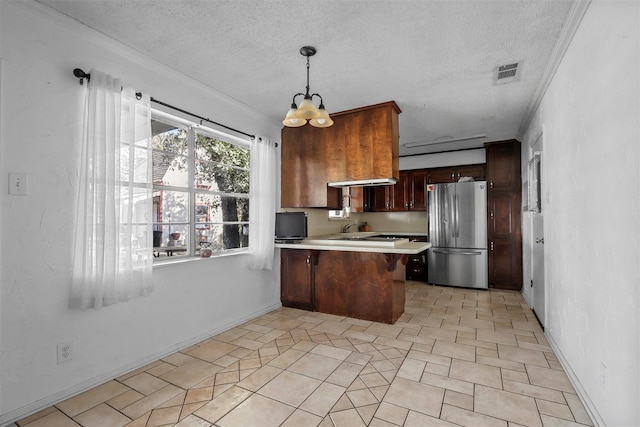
[[406, 205], [491, 245], [308, 260], [491, 214], [491, 184], [453, 176]]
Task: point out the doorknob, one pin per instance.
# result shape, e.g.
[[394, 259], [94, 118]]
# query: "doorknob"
[[540, 240]]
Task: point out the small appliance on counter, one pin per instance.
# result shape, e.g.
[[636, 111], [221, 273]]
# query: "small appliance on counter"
[[458, 234], [291, 227]]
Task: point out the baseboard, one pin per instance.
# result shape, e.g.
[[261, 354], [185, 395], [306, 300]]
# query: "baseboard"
[[32, 408], [582, 393]]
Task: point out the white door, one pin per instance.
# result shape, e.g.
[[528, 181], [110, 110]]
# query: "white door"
[[536, 191], [538, 266]]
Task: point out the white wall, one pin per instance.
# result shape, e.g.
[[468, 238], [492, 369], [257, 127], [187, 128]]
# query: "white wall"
[[41, 107], [590, 121], [453, 158]]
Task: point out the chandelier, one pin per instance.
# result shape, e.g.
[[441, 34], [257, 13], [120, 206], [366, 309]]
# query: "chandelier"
[[298, 116]]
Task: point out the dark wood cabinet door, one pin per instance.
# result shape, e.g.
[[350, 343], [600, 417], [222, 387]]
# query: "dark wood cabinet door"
[[399, 193], [417, 188], [477, 172], [442, 175], [501, 215], [504, 261], [503, 165], [296, 278]]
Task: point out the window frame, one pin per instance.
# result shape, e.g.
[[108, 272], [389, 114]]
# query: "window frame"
[[191, 188]]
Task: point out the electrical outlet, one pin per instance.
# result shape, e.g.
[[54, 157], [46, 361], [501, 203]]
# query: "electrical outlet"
[[65, 352], [19, 184]]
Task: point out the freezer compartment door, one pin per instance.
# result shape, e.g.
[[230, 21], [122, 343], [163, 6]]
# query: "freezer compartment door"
[[458, 267]]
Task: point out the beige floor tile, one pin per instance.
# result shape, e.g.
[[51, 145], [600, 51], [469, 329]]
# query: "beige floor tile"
[[193, 421], [53, 419], [392, 413], [301, 418], [315, 366], [383, 330], [213, 350], [417, 419], [190, 374], [460, 400], [476, 373], [33, 417], [345, 374], [199, 395], [513, 407], [323, 399], [145, 383], [271, 413], [91, 398], [455, 351], [125, 399], [557, 410], [448, 383], [152, 401], [468, 418], [160, 368], [515, 354], [259, 378], [367, 412], [438, 334], [332, 327], [164, 416], [332, 352], [549, 378], [222, 404], [510, 375], [577, 409], [290, 388], [549, 421], [415, 396], [412, 369], [496, 337], [177, 359], [533, 391], [348, 418], [362, 397], [102, 416]]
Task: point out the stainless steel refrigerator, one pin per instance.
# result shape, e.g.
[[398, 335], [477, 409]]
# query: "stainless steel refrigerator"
[[458, 234]]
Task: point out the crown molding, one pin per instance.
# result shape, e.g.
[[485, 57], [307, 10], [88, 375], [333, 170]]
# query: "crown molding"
[[571, 25]]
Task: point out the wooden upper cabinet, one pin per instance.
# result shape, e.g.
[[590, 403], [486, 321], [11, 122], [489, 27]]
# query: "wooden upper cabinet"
[[362, 144], [417, 190], [503, 165], [371, 141], [408, 194], [454, 173]]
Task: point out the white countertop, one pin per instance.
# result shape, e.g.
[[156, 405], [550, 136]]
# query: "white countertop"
[[326, 243]]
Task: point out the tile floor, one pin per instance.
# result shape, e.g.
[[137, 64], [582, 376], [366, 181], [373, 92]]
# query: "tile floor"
[[456, 357]]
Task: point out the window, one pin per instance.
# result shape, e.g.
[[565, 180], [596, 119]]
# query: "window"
[[200, 189]]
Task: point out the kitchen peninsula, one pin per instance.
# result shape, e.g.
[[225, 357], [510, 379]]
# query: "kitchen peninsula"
[[360, 275]]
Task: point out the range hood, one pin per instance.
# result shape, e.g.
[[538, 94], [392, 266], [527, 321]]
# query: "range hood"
[[363, 182]]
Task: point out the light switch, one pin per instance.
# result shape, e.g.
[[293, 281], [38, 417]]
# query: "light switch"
[[18, 184]]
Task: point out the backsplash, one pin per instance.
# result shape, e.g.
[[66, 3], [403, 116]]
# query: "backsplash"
[[319, 223]]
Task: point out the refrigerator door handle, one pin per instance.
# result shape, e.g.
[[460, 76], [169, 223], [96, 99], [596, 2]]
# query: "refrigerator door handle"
[[456, 210], [444, 251]]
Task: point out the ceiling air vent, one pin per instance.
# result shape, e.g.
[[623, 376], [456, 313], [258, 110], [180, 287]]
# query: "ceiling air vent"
[[507, 73]]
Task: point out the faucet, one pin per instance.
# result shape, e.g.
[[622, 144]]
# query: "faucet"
[[345, 229]]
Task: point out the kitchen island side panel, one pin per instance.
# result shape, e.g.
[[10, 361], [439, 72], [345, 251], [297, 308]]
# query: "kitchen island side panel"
[[362, 285]]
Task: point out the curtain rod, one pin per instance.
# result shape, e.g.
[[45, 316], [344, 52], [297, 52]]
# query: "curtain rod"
[[82, 75]]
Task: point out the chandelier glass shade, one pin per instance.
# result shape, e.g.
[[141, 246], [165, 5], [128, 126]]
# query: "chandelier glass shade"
[[307, 112]]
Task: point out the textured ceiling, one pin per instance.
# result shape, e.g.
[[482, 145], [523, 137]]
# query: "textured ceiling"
[[436, 59]]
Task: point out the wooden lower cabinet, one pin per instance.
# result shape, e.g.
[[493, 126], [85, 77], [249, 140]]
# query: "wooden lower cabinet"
[[297, 278], [362, 285], [505, 259]]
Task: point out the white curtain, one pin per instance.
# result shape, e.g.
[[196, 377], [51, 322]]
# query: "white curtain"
[[262, 204], [112, 259]]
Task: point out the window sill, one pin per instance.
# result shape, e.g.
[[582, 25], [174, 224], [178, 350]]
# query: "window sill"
[[167, 263]]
